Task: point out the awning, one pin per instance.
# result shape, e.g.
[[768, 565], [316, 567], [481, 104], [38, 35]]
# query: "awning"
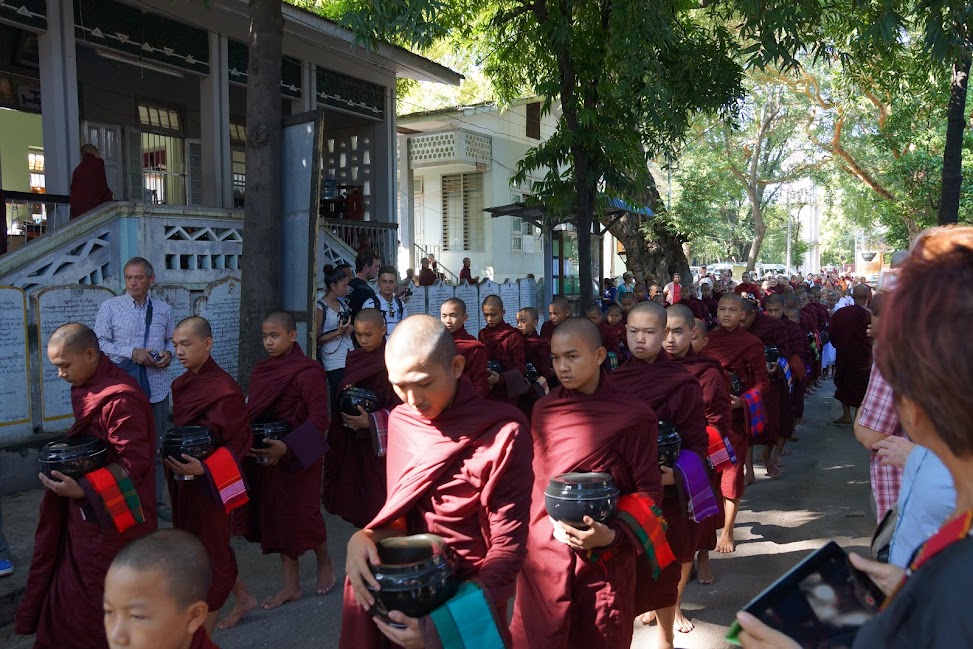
[[535, 214]]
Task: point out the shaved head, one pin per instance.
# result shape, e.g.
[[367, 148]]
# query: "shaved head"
[[283, 319], [456, 303], [749, 306], [421, 338], [860, 293], [581, 328], [592, 308], [683, 314], [702, 326], [774, 299], [197, 326], [653, 309], [177, 555], [370, 316], [560, 302], [493, 300], [74, 337], [732, 297]]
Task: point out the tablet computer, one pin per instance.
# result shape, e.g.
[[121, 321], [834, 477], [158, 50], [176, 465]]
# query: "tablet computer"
[[820, 603]]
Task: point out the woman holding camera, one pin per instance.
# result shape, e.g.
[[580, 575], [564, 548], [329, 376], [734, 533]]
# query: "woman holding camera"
[[332, 321], [922, 355]]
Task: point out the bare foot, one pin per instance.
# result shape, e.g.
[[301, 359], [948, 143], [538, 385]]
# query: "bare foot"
[[647, 618], [243, 605], [779, 462], [842, 420], [704, 572], [283, 596], [773, 472], [785, 452], [326, 578], [682, 623], [726, 543], [749, 479]]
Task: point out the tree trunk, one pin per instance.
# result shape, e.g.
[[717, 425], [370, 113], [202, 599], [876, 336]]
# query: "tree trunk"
[[953, 150], [583, 220], [260, 267]]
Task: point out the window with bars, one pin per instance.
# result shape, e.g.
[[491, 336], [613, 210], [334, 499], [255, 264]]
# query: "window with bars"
[[463, 212], [35, 168], [152, 116]]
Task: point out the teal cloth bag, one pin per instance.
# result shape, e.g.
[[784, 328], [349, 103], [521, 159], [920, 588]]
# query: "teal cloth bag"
[[466, 621]]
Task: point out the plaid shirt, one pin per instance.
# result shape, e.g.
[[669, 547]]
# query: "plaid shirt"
[[120, 327], [878, 413]]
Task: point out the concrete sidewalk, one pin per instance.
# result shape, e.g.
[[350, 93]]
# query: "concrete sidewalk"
[[823, 495]]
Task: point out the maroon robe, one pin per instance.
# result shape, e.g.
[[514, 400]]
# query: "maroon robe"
[[89, 185], [354, 476], [284, 512], [719, 415], [75, 542], [621, 335], [465, 476], [476, 356], [210, 398], [547, 331], [609, 337], [777, 399], [562, 599], [201, 640], [740, 353], [695, 305], [675, 396], [800, 356], [853, 353], [505, 344], [712, 305], [811, 316], [537, 351]]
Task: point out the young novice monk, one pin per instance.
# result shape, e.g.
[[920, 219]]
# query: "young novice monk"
[[537, 353], [577, 588], [683, 330], [654, 377], [459, 467], [609, 339], [354, 482], [156, 592], [285, 513], [558, 311], [82, 523], [741, 354], [505, 346], [205, 395], [453, 315], [801, 359]]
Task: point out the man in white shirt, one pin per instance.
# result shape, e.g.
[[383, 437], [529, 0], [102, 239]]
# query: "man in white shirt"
[[135, 331], [386, 301]]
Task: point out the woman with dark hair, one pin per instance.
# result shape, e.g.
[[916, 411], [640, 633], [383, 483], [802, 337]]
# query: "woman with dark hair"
[[921, 357], [332, 322]]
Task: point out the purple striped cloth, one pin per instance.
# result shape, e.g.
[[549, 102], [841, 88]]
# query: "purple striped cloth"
[[693, 485]]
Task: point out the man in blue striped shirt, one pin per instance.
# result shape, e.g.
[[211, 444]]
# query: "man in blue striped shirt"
[[121, 328]]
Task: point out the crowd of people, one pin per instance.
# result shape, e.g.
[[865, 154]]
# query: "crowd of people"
[[669, 389]]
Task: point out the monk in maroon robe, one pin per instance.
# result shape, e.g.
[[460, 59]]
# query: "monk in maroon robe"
[[853, 353], [682, 332], [284, 513], [459, 467], [163, 576], [652, 376], [453, 315], [206, 395], [615, 321], [82, 524], [537, 353], [89, 184], [354, 468], [558, 311], [801, 358], [609, 336], [577, 588], [775, 307], [777, 400], [741, 354], [506, 347]]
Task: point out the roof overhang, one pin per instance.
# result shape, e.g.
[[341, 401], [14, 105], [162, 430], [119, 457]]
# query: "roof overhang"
[[536, 214]]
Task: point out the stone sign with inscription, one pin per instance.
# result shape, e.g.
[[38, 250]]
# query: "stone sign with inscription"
[[471, 298], [15, 415], [435, 296], [510, 294], [416, 302], [220, 304], [528, 293], [54, 306], [181, 301]]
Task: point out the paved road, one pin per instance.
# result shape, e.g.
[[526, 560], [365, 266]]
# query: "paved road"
[[823, 496]]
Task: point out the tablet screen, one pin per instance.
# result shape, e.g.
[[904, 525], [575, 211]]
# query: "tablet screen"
[[819, 603]]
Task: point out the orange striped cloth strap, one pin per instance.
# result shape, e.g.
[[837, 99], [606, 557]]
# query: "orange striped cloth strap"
[[224, 474], [118, 496], [644, 519]]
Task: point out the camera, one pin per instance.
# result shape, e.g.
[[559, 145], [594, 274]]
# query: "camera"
[[344, 318], [156, 356]]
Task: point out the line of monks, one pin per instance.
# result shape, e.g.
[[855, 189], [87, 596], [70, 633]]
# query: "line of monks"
[[469, 434]]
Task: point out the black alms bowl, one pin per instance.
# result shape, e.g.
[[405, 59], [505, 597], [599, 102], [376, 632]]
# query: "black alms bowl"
[[416, 576], [264, 430], [353, 397], [669, 444], [73, 456], [771, 353], [194, 441], [570, 497], [495, 366], [735, 386], [532, 373]]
